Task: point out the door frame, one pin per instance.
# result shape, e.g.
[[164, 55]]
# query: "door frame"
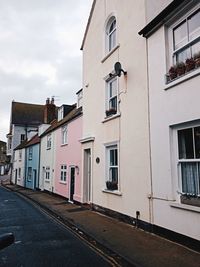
[[87, 174], [70, 182]]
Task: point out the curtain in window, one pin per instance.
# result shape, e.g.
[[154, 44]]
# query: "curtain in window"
[[190, 177]]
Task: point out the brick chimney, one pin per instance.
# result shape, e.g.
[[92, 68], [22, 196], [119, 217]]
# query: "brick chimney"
[[49, 111]]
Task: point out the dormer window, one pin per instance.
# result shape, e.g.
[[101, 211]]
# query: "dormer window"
[[111, 34], [60, 113]]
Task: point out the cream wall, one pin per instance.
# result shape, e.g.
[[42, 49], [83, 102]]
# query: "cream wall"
[[47, 159], [19, 163], [130, 129], [169, 107]]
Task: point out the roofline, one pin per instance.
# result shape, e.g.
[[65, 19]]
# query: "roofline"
[[88, 24], [161, 17], [58, 126]]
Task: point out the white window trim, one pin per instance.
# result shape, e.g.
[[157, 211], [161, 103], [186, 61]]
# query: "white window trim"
[[63, 171], [170, 33], [175, 161], [49, 141], [30, 153], [108, 146], [47, 170], [107, 98], [64, 141], [108, 22], [29, 177]]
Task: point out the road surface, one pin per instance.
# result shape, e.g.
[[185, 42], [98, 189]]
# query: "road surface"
[[40, 241]]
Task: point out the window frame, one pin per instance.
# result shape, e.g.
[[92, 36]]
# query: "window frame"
[[109, 34], [22, 139], [29, 174], [63, 173], [109, 166], [181, 161], [173, 52], [30, 153], [47, 173], [64, 134], [49, 141], [110, 98]]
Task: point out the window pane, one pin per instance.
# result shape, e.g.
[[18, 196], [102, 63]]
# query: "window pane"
[[194, 25], [113, 88], [197, 141], [195, 48], [180, 35], [190, 177], [113, 175], [113, 103], [112, 160], [182, 55], [185, 144]]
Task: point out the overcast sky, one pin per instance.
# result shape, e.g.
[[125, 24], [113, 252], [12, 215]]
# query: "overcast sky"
[[40, 52]]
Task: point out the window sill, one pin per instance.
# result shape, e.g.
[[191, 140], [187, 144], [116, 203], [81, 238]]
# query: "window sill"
[[113, 192], [61, 182], [185, 207], [48, 148], [47, 181], [110, 53], [184, 78], [64, 144], [111, 117]]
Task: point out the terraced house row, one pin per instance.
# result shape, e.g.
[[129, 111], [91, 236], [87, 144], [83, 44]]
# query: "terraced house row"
[[130, 146]]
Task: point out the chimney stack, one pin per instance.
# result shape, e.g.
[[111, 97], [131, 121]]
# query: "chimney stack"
[[49, 111]]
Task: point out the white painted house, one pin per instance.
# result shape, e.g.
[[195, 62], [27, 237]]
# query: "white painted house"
[[18, 174], [173, 40], [115, 141]]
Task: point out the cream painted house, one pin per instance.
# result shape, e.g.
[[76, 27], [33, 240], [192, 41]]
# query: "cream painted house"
[[175, 115], [115, 141], [18, 174]]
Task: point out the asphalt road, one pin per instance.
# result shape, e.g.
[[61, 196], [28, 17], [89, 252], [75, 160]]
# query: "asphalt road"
[[40, 241]]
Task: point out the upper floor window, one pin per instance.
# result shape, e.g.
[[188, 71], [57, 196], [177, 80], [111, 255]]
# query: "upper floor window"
[[60, 113], [49, 141], [186, 38], [184, 45], [111, 97], [22, 138], [111, 34], [64, 134], [30, 153]]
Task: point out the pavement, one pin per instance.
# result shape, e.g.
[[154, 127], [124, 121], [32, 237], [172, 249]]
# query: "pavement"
[[127, 245]]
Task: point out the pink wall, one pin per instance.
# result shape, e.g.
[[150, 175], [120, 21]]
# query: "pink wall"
[[69, 154]]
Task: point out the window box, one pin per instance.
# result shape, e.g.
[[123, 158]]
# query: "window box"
[[110, 112], [190, 200], [111, 185]]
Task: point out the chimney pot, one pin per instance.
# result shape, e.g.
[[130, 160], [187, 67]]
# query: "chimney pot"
[[47, 101], [52, 100]]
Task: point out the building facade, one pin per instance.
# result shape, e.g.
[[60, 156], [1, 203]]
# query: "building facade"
[[68, 170], [115, 141], [174, 116]]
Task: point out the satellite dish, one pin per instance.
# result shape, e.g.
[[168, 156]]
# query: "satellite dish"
[[118, 69]]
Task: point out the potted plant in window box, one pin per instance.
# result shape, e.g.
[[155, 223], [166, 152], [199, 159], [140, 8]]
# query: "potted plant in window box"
[[172, 74], [111, 185], [111, 111], [180, 68], [197, 59], [189, 64]]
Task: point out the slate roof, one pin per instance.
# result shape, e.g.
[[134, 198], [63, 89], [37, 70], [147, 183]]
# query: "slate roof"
[[22, 145], [27, 114], [70, 116], [33, 141], [162, 17]]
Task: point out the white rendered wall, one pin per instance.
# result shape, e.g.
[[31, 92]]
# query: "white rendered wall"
[[130, 130]]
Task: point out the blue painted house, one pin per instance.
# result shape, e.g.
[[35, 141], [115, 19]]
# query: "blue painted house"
[[32, 162]]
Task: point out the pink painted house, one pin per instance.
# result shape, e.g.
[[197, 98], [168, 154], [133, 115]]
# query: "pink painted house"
[[68, 159]]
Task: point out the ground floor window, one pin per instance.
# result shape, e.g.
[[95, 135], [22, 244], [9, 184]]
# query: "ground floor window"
[[112, 167], [47, 173], [189, 161], [29, 174], [63, 173]]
